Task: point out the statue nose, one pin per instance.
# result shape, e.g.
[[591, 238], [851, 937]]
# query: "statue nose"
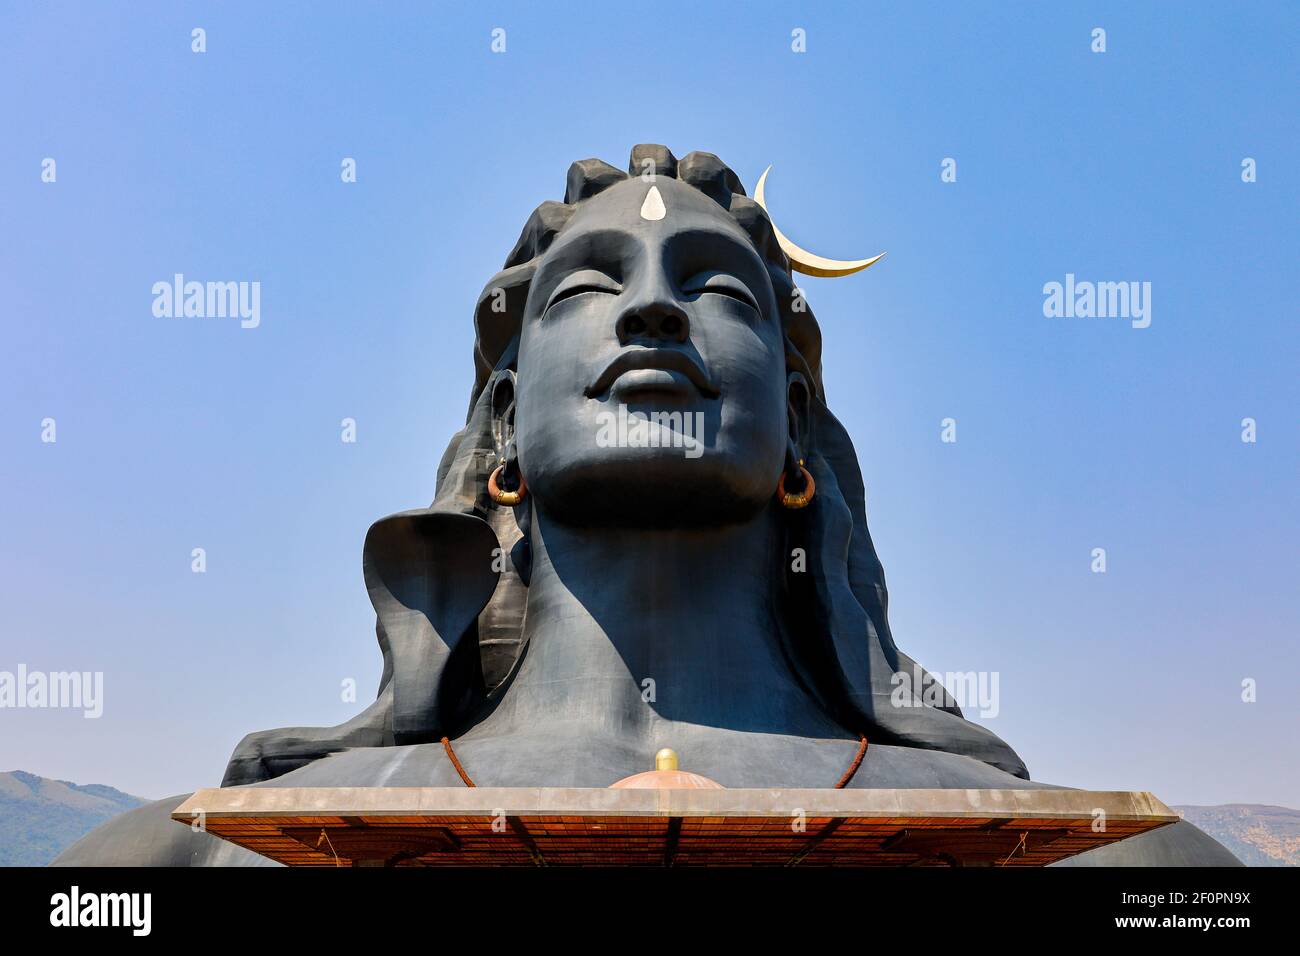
[[660, 319]]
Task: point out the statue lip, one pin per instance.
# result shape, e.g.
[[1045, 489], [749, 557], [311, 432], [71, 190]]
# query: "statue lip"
[[667, 360]]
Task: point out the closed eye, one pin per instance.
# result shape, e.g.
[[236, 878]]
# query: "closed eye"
[[720, 283], [580, 283]]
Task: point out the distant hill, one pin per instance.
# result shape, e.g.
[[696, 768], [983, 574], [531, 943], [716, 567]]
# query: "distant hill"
[[39, 817], [1259, 835]]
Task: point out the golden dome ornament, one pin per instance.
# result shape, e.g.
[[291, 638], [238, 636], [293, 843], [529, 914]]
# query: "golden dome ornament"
[[666, 776]]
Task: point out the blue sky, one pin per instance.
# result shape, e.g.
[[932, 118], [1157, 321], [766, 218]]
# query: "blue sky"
[[1072, 434]]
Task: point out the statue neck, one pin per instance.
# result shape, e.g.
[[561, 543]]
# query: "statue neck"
[[629, 630]]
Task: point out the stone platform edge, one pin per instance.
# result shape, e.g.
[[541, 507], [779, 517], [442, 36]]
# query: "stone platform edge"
[[234, 802]]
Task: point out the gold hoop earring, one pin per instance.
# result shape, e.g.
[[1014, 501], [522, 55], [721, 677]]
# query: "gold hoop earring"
[[508, 498], [800, 500]]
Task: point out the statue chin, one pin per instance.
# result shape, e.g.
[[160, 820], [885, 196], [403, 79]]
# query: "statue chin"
[[651, 488]]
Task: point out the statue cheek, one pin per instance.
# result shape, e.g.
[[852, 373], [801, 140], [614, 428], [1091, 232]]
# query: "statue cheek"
[[754, 393], [552, 431]]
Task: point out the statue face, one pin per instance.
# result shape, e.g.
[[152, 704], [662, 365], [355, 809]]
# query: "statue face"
[[651, 385]]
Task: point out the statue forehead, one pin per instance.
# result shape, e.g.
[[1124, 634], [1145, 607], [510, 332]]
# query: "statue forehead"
[[657, 210]]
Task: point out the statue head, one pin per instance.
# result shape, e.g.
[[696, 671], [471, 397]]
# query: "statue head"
[[639, 342]]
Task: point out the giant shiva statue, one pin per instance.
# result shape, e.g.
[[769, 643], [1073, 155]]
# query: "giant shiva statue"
[[650, 533]]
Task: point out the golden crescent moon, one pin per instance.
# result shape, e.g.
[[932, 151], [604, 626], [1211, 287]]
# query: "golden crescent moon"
[[801, 260]]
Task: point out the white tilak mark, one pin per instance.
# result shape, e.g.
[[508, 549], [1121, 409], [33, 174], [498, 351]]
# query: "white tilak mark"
[[653, 208]]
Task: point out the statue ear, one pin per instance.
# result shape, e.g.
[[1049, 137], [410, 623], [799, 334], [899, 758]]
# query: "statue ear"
[[799, 411], [503, 411]]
